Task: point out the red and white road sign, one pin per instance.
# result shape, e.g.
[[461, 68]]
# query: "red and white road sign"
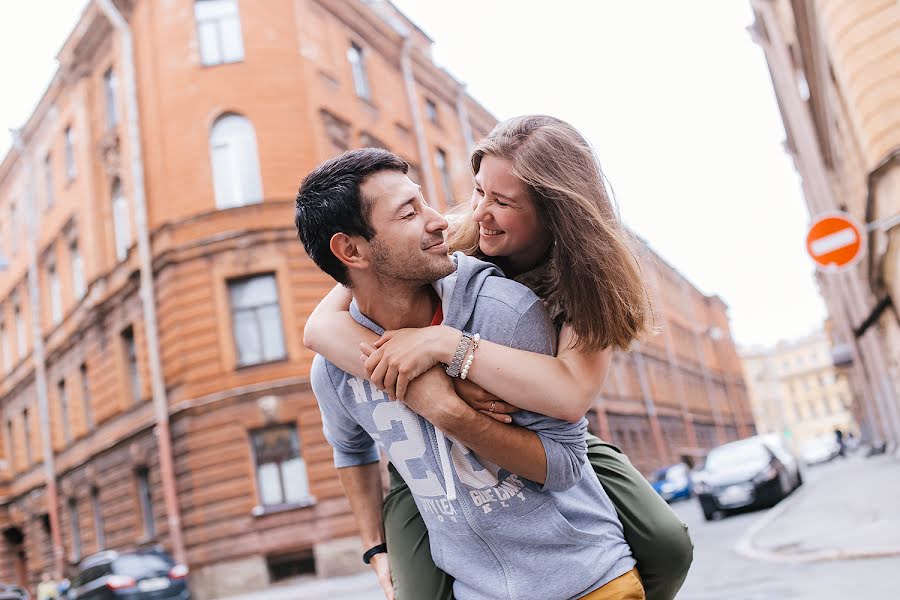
[[835, 241]]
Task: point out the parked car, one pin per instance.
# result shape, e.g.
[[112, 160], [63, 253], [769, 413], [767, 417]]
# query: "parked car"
[[139, 575], [820, 450], [754, 472], [13, 592], [672, 482]]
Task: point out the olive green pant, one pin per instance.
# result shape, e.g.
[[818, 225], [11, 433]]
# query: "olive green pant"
[[659, 540]]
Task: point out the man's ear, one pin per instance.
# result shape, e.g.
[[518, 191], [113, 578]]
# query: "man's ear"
[[352, 251]]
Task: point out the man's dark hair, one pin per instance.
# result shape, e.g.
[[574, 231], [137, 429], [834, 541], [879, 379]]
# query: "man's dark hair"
[[329, 202]]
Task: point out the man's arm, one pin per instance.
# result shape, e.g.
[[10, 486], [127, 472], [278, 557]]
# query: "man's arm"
[[362, 486], [517, 450]]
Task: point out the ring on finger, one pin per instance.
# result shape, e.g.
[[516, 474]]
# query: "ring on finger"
[[493, 403]]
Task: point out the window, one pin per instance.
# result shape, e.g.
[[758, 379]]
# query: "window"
[[10, 445], [86, 395], [55, 294], [256, 318], [110, 89], [360, 78], [63, 399], [69, 141], [121, 221], [130, 350], [50, 196], [13, 228], [280, 469], [78, 285], [440, 158], [235, 162], [431, 111], [143, 481], [98, 519], [21, 340], [219, 31], [76, 529], [4, 347], [26, 424]]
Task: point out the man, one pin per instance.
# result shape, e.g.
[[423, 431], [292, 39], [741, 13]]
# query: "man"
[[508, 509]]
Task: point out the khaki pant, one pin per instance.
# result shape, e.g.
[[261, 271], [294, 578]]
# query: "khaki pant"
[[659, 540], [625, 587]]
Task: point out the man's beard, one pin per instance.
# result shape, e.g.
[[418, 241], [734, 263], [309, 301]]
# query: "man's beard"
[[416, 266]]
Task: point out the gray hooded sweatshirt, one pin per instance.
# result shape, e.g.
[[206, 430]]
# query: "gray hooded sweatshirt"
[[499, 535]]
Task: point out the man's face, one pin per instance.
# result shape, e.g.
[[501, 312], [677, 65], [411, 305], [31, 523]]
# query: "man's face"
[[409, 235]]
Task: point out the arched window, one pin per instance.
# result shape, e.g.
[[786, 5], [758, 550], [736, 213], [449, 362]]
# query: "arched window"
[[121, 220], [235, 164]]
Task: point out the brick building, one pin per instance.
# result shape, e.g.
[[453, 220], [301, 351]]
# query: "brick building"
[[835, 69], [155, 386], [682, 391]]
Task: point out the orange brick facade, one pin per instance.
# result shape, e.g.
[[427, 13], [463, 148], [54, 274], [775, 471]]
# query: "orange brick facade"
[[80, 382]]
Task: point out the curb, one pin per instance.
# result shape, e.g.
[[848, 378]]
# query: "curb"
[[745, 548]]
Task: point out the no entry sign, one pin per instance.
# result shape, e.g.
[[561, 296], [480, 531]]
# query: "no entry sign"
[[835, 241]]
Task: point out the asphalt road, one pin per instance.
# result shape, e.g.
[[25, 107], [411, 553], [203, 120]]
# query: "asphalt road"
[[718, 573]]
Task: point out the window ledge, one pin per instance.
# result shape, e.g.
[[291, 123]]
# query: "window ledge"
[[243, 366], [261, 511]]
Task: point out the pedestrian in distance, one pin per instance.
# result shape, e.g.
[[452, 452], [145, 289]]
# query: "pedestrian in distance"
[[540, 210]]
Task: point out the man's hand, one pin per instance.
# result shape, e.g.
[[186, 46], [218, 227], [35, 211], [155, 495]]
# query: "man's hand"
[[382, 567], [431, 395], [483, 401]]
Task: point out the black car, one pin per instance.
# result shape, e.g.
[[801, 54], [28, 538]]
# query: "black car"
[[751, 473], [13, 592], [138, 575]]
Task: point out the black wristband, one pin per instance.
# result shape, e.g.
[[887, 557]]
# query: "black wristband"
[[367, 557]]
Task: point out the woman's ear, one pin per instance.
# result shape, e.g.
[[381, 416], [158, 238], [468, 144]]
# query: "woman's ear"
[[352, 251]]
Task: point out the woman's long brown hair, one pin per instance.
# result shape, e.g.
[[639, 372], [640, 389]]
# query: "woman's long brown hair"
[[594, 275]]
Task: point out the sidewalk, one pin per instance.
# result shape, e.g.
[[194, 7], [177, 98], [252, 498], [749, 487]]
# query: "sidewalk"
[[849, 509], [353, 587]]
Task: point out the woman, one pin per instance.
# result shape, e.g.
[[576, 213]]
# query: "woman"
[[540, 211]]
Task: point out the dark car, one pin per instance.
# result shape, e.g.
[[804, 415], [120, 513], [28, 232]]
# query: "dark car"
[[13, 592], [138, 575], [756, 472]]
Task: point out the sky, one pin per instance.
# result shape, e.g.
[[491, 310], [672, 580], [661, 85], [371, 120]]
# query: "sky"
[[674, 96]]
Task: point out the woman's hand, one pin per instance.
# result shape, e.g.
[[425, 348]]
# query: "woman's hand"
[[403, 354], [482, 401]]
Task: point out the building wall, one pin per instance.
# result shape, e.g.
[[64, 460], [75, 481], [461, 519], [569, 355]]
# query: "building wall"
[[677, 393], [835, 69]]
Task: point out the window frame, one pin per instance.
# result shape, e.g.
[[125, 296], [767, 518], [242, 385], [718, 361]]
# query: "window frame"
[[69, 151], [305, 501], [145, 501], [229, 282], [232, 138], [128, 340], [208, 58], [362, 86], [110, 97]]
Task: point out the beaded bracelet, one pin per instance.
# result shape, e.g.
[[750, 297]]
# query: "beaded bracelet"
[[455, 366], [471, 357]]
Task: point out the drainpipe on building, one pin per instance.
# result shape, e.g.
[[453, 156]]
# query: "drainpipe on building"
[[38, 358], [418, 128], [147, 291]]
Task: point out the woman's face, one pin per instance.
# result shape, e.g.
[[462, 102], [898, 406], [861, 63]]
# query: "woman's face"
[[508, 221]]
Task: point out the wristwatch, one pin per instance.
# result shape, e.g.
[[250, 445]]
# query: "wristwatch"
[[367, 556]]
